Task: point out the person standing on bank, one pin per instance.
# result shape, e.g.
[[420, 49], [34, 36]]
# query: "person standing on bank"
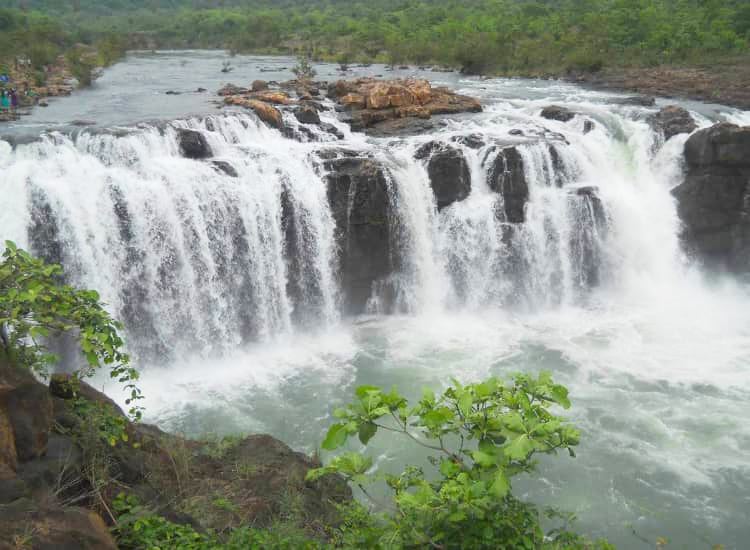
[[13, 100]]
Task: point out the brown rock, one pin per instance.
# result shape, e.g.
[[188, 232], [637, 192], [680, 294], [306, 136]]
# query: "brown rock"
[[27, 525], [231, 89], [271, 96], [29, 409], [385, 94], [355, 101], [8, 455], [267, 113], [259, 85]]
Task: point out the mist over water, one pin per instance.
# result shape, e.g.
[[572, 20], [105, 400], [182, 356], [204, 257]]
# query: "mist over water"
[[237, 330]]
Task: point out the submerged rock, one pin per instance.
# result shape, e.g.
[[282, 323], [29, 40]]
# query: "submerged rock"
[[225, 168], [193, 144], [714, 200]]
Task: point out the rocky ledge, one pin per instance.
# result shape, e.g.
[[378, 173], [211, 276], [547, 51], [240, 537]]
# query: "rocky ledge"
[[378, 107], [714, 199], [388, 106], [58, 477]]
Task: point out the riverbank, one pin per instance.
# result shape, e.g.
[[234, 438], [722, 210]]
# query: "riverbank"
[[726, 83]]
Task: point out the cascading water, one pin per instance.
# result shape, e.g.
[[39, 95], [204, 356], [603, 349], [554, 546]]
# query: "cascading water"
[[232, 275], [191, 258]]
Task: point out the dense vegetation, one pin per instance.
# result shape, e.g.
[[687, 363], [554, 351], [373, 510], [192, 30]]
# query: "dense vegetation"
[[521, 36]]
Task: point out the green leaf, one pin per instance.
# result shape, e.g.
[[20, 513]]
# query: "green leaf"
[[519, 448], [465, 402], [500, 484], [366, 432], [335, 438], [363, 391]]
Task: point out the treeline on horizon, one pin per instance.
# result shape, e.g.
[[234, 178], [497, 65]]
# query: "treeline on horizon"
[[478, 36]]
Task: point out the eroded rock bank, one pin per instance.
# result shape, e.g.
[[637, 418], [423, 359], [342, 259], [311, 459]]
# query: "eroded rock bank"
[[59, 476], [714, 199]]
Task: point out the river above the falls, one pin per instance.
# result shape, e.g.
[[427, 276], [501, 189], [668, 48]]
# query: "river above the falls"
[[656, 354]]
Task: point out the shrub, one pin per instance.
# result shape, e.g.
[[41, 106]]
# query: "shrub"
[[481, 436]]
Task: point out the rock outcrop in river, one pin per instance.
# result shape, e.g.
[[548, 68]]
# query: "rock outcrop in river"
[[714, 200]]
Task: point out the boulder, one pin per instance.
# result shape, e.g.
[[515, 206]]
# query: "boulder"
[[29, 409], [671, 121], [472, 141], [358, 195], [588, 126], [193, 144], [353, 101], [713, 202], [265, 112], [506, 176], [259, 85], [307, 114], [449, 174], [46, 527], [385, 94], [272, 96], [556, 112]]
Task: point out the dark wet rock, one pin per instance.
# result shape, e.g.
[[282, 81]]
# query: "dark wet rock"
[[588, 126], [193, 144], [307, 114], [403, 127], [358, 195], [449, 175], [506, 176], [515, 132], [671, 121], [172, 92], [83, 123], [331, 129], [200, 91], [225, 167], [259, 85], [713, 202], [556, 112], [472, 141]]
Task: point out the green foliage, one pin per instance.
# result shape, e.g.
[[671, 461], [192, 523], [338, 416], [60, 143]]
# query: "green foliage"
[[481, 436], [532, 36], [35, 305], [82, 64], [139, 528], [303, 70]]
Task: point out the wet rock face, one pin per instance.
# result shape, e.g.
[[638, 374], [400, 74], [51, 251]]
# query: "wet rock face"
[[307, 114], [193, 144], [714, 200], [448, 171], [555, 112], [358, 195], [671, 121], [506, 177]]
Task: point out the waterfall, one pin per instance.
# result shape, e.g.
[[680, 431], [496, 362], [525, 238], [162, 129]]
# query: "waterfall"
[[203, 256]]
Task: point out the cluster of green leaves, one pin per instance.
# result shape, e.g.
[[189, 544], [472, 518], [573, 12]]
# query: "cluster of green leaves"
[[482, 435], [36, 306], [139, 528], [477, 35]]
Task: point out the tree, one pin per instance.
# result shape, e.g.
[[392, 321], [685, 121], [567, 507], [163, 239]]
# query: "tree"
[[481, 436], [36, 306]]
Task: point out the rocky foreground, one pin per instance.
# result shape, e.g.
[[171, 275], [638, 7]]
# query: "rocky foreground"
[[58, 477]]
